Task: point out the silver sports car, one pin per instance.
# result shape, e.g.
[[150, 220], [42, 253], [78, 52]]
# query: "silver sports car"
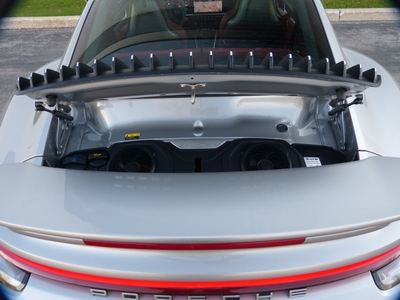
[[202, 150]]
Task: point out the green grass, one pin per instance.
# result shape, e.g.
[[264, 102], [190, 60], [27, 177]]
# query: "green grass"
[[36, 8], [41, 8], [356, 3]]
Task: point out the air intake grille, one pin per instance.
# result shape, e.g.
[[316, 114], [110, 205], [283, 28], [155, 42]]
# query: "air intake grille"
[[135, 159], [264, 157]]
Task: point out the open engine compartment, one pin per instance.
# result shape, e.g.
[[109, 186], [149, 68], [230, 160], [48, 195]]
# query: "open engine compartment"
[[167, 157], [216, 134]]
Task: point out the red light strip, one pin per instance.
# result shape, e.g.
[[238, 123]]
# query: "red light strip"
[[215, 246], [203, 287]]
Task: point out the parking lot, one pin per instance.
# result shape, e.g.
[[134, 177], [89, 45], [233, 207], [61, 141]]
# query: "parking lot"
[[23, 51]]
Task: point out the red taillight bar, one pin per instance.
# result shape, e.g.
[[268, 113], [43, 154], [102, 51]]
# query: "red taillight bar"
[[211, 246], [202, 287]]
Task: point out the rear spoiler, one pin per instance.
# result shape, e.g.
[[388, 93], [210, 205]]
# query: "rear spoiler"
[[167, 74], [199, 207]]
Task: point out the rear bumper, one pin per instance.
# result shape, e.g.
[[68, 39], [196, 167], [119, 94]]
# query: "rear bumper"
[[357, 287], [127, 269]]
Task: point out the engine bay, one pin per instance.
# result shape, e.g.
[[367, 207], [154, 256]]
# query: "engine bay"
[[215, 134], [168, 157]]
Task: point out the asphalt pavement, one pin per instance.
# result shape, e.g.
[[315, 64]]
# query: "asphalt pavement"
[[378, 40], [24, 51]]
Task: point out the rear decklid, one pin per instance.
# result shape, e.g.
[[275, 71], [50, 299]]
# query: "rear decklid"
[[163, 76], [201, 207]]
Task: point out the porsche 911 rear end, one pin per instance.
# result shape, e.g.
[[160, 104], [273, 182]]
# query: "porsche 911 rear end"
[[195, 151], [346, 265]]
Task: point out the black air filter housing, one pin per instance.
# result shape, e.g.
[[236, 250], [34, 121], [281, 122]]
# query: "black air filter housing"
[[258, 155], [133, 159], [165, 157], [264, 157]]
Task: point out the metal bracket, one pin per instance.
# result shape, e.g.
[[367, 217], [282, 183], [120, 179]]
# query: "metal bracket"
[[62, 135], [64, 120], [193, 88], [336, 116], [338, 130]]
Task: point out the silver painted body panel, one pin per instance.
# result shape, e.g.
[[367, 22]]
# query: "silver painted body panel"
[[347, 212], [24, 130], [208, 205], [211, 265], [374, 121], [223, 117]]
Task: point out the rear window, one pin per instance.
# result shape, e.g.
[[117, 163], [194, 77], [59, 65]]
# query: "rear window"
[[196, 28]]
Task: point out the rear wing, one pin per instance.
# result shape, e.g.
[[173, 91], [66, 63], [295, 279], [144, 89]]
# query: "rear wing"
[[164, 74]]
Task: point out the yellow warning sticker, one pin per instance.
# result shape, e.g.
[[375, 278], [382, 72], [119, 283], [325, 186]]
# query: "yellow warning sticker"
[[132, 136]]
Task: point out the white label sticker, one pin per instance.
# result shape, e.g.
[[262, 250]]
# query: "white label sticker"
[[312, 162]]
